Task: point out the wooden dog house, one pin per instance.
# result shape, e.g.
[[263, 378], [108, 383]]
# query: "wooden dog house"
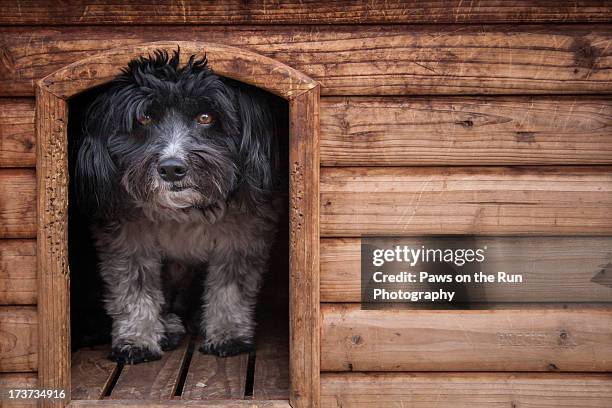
[[52, 97], [406, 118]]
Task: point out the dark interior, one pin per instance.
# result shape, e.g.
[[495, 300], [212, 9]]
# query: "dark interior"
[[185, 372]]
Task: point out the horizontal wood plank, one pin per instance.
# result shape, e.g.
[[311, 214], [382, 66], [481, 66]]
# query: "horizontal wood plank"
[[465, 390], [419, 201], [17, 381], [340, 270], [418, 131], [465, 131], [18, 272], [554, 269], [465, 340], [374, 60], [32, 12], [17, 203], [17, 138], [358, 201], [18, 339]]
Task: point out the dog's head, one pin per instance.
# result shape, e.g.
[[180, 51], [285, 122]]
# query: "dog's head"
[[174, 137]]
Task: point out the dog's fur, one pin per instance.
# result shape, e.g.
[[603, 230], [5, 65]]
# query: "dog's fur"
[[219, 220]]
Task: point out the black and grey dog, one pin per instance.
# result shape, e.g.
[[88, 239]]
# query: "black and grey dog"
[[176, 165]]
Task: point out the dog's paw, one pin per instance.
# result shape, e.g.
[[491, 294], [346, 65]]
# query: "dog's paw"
[[228, 348], [171, 341], [174, 332], [130, 354]]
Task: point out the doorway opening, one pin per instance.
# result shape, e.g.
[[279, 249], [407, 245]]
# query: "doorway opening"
[[184, 372]]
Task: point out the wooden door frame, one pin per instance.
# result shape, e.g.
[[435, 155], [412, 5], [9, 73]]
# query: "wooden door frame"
[[302, 93]]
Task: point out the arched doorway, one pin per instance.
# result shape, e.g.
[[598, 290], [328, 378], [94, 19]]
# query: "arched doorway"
[[52, 97]]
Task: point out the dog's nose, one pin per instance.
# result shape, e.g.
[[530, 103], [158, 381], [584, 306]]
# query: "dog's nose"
[[172, 169]]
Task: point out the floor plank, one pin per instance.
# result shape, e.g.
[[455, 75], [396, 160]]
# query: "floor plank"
[[212, 377], [180, 403], [207, 377], [92, 372], [154, 380]]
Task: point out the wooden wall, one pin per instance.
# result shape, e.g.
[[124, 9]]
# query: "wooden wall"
[[489, 117]]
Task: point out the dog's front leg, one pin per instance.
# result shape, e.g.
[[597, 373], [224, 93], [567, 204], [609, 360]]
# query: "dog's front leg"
[[230, 297], [134, 299]]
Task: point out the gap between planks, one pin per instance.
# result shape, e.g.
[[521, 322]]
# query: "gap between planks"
[[186, 374]]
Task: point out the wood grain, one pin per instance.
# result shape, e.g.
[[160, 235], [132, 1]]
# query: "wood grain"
[[373, 60], [418, 131], [31, 12], [52, 245], [17, 203], [465, 131], [358, 201], [340, 270], [91, 372], [155, 380], [51, 118], [304, 239], [17, 138], [211, 377], [18, 339], [180, 403], [13, 381], [465, 340], [466, 390], [554, 269], [18, 272], [241, 65]]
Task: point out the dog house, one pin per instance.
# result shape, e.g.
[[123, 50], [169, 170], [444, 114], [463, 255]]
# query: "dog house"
[[53, 96], [406, 119]]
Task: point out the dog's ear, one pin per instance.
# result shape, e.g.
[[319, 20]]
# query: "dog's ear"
[[256, 146], [95, 170]]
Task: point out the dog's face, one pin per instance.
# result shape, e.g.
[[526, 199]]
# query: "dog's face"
[[174, 138], [181, 146]]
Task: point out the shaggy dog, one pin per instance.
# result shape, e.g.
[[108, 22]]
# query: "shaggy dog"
[[176, 165]]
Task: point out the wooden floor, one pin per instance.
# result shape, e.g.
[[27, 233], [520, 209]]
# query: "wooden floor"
[[187, 374]]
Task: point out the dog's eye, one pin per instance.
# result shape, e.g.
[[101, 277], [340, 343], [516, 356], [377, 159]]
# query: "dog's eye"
[[205, 118], [145, 120]]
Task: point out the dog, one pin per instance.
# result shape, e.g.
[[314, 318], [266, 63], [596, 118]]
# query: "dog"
[[176, 168]]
